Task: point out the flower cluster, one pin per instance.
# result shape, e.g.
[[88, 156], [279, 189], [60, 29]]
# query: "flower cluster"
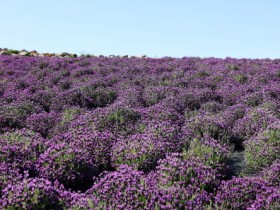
[[139, 133], [22, 147], [243, 193], [263, 149]]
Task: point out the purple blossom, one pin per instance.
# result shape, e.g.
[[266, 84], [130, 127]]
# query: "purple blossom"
[[132, 133]]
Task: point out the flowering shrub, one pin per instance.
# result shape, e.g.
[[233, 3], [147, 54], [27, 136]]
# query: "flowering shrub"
[[88, 97], [262, 150], [122, 189], [212, 107], [120, 120], [272, 173], [203, 125], [163, 112], [95, 144], [268, 200], [42, 122], [240, 193], [184, 172], [22, 147], [140, 151], [70, 166], [209, 151], [31, 193], [233, 113], [43, 98], [9, 174], [14, 114], [139, 133], [252, 122], [65, 119]]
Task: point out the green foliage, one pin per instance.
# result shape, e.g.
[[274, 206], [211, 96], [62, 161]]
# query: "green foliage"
[[233, 67], [18, 137], [166, 82], [202, 74], [10, 52], [254, 100], [241, 78], [133, 149], [209, 126], [43, 64], [190, 114], [69, 115], [121, 117], [90, 97], [23, 146], [97, 97], [14, 114], [263, 150], [209, 155]]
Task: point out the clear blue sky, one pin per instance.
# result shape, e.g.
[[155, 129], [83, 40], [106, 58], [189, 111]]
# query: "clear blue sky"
[[157, 28]]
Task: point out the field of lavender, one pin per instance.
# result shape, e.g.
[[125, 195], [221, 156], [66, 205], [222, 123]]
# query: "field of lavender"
[[139, 133]]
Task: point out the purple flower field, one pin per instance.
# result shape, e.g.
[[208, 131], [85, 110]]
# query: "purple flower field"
[[139, 133]]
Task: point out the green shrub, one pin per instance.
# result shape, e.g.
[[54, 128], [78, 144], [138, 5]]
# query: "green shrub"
[[10, 52], [241, 78], [120, 120], [233, 67], [13, 115], [209, 151]]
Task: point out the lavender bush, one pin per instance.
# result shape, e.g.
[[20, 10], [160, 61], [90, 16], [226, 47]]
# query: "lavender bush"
[[242, 193], [263, 149], [22, 147], [139, 133]]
